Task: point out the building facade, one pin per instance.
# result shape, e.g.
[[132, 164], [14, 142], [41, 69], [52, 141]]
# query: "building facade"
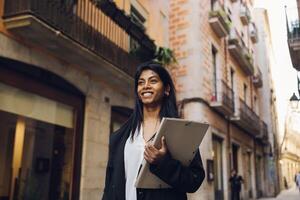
[[267, 103], [221, 80], [290, 149], [66, 79], [289, 158]]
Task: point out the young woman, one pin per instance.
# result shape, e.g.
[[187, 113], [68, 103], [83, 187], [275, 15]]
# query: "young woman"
[[155, 99]]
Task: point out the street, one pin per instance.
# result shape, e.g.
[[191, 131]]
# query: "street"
[[290, 194]]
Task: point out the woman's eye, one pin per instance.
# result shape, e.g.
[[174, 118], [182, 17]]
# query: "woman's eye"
[[153, 81], [140, 82]]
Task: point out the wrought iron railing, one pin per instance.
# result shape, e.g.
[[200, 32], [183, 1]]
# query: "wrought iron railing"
[[249, 117], [264, 130], [257, 78], [227, 96], [243, 51], [84, 23]]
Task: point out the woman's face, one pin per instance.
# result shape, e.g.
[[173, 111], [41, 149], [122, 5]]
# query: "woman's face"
[[150, 88]]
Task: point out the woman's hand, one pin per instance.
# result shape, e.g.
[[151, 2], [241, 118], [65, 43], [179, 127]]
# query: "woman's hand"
[[154, 155]]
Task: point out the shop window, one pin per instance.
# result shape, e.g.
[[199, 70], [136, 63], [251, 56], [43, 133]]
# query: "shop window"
[[41, 131]]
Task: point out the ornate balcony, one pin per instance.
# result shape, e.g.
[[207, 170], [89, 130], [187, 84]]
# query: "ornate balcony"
[[263, 136], [218, 20], [247, 119], [253, 32], [79, 32], [222, 99], [245, 15], [257, 78], [240, 52], [294, 43]]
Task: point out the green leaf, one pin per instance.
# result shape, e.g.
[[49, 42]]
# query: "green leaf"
[[165, 56]]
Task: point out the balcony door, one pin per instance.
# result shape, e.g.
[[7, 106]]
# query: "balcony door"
[[235, 157], [40, 139], [249, 173]]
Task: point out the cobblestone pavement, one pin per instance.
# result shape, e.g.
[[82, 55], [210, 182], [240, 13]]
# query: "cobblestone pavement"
[[290, 194]]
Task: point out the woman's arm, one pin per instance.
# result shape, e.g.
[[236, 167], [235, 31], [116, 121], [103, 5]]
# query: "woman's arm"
[[182, 178]]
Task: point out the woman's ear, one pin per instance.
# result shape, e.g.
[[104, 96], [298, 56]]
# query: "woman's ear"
[[167, 90]]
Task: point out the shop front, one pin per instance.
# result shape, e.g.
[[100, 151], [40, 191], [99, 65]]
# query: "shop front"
[[41, 123]]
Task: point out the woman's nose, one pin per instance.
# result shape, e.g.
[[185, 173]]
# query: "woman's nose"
[[147, 85]]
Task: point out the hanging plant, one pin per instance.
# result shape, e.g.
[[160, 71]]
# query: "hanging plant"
[[165, 56]]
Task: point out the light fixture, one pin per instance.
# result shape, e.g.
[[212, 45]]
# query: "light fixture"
[[294, 100]]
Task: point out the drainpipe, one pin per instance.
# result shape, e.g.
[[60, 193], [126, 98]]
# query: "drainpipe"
[[228, 131], [228, 117]]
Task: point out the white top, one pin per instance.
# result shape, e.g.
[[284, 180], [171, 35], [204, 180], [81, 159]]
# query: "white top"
[[133, 157]]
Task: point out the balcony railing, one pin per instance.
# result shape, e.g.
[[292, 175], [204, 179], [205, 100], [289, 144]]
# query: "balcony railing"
[[218, 20], [253, 32], [247, 119], [223, 99], [263, 136], [240, 52], [294, 42], [257, 78], [78, 31], [245, 15]]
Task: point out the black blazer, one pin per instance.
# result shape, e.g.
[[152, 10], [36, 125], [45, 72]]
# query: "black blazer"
[[182, 179]]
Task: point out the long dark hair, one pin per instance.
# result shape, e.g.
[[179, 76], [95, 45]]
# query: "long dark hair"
[[168, 107]]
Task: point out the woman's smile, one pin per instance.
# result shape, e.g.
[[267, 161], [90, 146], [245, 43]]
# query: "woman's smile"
[[147, 94]]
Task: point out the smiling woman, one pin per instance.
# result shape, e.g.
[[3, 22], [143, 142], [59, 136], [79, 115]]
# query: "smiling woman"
[[151, 89], [155, 99]]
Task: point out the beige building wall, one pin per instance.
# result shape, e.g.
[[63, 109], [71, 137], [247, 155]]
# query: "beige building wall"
[[192, 38], [265, 62], [290, 149]]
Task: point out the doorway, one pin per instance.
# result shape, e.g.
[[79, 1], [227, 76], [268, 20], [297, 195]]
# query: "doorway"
[[218, 167], [40, 135]]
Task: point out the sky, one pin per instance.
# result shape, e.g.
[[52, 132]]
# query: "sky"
[[284, 75]]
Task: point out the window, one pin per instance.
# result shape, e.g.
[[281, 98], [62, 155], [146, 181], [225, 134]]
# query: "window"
[[165, 29], [232, 85], [255, 104], [235, 164], [137, 17], [119, 115], [140, 20], [229, 11], [212, 4], [245, 92], [214, 67]]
